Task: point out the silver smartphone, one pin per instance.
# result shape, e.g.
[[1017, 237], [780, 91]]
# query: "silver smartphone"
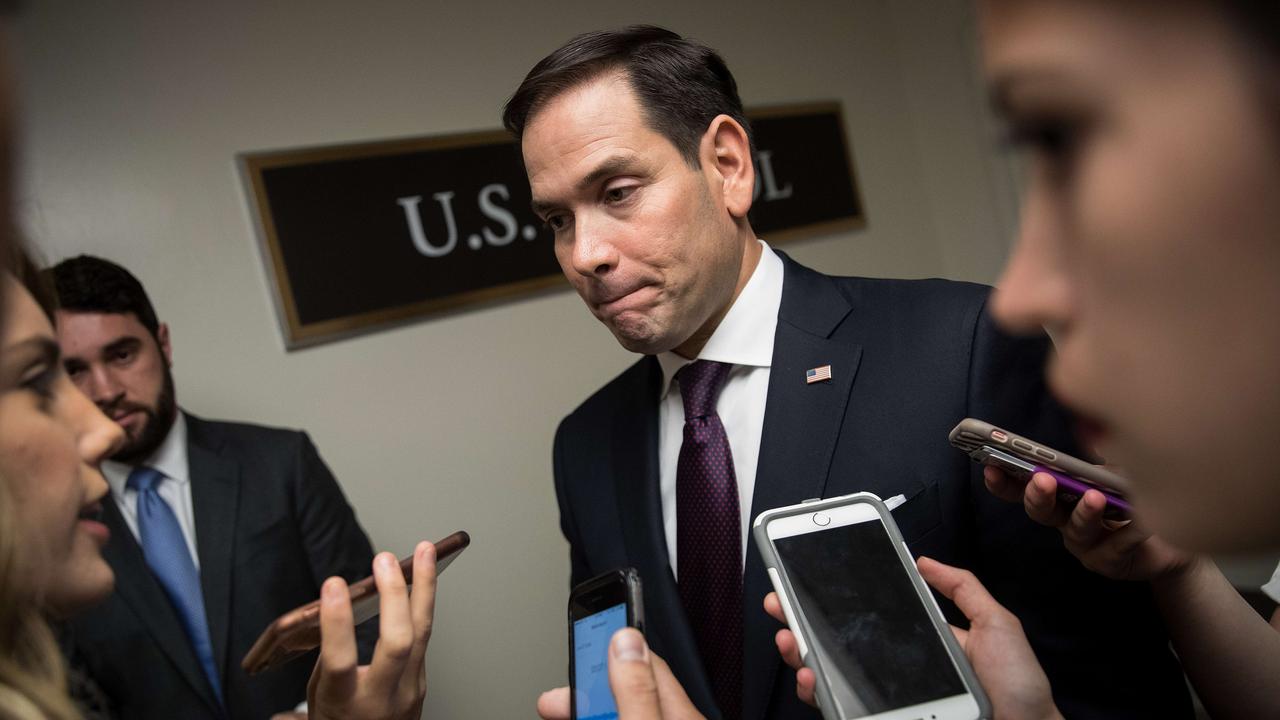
[[865, 621]]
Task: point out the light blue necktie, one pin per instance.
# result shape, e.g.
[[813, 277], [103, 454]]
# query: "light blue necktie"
[[165, 549]]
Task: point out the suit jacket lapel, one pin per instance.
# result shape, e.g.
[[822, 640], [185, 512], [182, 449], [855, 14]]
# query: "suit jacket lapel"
[[635, 462], [142, 593], [801, 426], [215, 495]]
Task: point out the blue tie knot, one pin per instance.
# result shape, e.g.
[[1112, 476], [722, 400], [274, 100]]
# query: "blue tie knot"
[[144, 479], [700, 385]]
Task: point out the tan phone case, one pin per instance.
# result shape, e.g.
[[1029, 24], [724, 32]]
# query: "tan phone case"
[[298, 631], [971, 434]]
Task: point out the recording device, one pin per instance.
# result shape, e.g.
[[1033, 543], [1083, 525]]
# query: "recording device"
[[297, 632], [1022, 458], [864, 620], [598, 608]]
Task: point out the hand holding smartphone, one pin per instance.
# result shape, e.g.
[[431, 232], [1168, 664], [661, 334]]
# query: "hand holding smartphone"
[[1022, 458], [863, 618], [598, 608], [298, 631]]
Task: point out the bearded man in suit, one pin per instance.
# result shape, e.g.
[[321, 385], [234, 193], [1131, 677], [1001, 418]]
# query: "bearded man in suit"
[[216, 528]]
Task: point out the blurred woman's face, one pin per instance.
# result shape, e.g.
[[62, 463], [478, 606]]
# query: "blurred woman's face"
[[1150, 248], [52, 439]]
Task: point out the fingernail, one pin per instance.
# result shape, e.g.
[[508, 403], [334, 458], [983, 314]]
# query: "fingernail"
[[332, 589], [628, 645], [386, 561]]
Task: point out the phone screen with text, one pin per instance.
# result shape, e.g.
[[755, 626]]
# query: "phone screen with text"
[[591, 636]]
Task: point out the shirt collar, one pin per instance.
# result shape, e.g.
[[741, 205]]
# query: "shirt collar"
[[745, 335], [170, 459]]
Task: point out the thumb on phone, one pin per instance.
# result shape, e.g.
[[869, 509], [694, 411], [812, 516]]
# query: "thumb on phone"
[[631, 677]]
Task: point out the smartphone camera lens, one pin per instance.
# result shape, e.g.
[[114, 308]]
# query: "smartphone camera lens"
[[820, 519]]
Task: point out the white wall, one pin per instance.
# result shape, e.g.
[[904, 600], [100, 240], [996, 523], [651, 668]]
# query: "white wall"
[[135, 110]]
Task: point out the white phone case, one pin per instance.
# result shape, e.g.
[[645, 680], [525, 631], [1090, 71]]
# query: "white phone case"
[[798, 624]]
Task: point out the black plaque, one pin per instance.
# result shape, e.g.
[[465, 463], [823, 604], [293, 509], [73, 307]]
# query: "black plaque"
[[360, 237]]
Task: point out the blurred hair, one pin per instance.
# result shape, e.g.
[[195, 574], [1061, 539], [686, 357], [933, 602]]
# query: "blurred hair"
[[91, 284], [33, 681], [1257, 19], [26, 270], [1258, 24], [33, 684], [681, 85]]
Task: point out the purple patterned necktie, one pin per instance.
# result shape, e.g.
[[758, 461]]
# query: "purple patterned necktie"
[[709, 534]]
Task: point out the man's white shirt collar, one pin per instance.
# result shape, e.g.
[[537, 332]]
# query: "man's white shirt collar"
[[745, 335], [170, 459]]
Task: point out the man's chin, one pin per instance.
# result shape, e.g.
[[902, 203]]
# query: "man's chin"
[[642, 343], [128, 456], [142, 440], [135, 450]]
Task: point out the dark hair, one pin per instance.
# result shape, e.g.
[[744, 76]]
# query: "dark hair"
[[1257, 22], [91, 284], [1258, 19], [682, 85]]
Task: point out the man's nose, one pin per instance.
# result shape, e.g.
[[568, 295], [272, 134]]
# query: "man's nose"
[[594, 254], [102, 387]]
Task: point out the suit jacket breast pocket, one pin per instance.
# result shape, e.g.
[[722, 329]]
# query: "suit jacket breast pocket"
[[269, 540], [919, 514]]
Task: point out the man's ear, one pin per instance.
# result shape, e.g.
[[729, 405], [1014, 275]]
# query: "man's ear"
[[727, 152], [162, 339]]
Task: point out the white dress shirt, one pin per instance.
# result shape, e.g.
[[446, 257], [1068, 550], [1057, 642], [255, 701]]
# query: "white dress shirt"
[[744, 339], [171, 460]]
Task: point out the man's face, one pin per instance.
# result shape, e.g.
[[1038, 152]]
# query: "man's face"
[[114, 360], [645, 239]]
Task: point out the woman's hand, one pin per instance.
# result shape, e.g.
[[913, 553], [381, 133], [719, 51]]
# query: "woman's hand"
[[1117, 550], [994, 643], [394, 684]]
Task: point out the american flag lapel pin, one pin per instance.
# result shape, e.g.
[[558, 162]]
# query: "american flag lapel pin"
[[818, 374]]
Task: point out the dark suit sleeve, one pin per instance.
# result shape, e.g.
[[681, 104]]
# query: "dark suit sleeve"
[[1101, 642], [578, 561], [334, 541]]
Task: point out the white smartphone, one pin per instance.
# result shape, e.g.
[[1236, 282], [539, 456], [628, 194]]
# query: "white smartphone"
[[865, 621]]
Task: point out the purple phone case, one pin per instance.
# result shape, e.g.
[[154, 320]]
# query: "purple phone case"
[[1072, 489]]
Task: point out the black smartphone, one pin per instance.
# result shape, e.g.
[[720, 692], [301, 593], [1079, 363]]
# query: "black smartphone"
[[598, 608]]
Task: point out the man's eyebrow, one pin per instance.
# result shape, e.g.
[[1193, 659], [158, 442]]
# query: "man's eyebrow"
[[615, 165], [124, 343], [539, 207]]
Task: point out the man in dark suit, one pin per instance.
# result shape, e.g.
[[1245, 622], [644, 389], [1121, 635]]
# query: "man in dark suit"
[[639, 159], [217, 528]]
